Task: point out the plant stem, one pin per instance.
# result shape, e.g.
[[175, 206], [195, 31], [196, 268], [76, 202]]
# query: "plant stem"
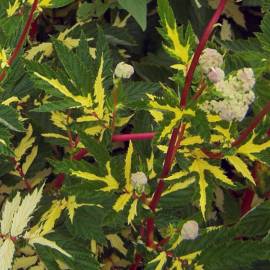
[[138, 259], [133, 137], [179, 132], [249, 193], [206, 34], [21, 39], [166, 168], [254, 123], [150, 226]]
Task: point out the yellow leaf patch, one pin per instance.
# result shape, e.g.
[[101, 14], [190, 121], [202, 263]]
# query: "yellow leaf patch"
[[132, 211], [84, 101], [99, 91], [241, 167], [122, 201]]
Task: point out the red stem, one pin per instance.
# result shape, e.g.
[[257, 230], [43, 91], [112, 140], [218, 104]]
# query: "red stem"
[[206, 34], [138, 259], [21, 39], [168, 158], [150, 226], [179, 132], [60, 178], [80, 154], [254, 123], [250, 193], [133, 137]]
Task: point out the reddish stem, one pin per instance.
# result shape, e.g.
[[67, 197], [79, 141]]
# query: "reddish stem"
[[250, 193], [60, 178], [168, 158], [174, 144], [21, 39], [19, 169], [80, 154], [206, 34], [150, 226], [178, 133], [200, 90], [133, 137], [212, 155], [138, 259], [254, 123]]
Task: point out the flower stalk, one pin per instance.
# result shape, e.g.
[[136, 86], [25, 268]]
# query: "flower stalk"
[[206, 34], [21, 39]]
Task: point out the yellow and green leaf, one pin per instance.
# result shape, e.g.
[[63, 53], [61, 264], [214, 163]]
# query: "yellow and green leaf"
[[117, 243], [84, 101], [179, 186], [176, 47], [241, 167], [132, 211], [200, 166], [109, 180], [99, 91], [128, 162], [26, 143], [161, 259]]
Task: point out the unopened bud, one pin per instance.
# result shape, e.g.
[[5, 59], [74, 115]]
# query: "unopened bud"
[[216, 75], [139, 180], [124, 70], [190, 230]]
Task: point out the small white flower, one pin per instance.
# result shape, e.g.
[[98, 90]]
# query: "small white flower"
[[139, 180], [190, 230], [209, 59], [246, 76], [123, 70], [216, 75], [235, 96]]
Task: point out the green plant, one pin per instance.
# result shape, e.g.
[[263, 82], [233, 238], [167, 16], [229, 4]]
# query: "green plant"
[[132, 174]]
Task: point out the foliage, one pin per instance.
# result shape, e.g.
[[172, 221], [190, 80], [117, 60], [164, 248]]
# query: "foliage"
[[109, 165]]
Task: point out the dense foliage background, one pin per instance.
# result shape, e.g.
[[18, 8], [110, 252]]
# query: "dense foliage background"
[[101, 168]]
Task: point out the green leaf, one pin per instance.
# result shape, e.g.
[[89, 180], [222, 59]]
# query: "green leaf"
[[260, 216], [59, 3], [103, 54], [81, 256], [84, 229], [137, 9], [74, 67], [5, 148], [233, 255], [203, 130], [9, 118], [58, 105], [96, 149]]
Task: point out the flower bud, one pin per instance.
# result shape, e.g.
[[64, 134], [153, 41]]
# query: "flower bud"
[[246, 76], [216, 75], [123, 70], [139, 180], [209, 59], [190, 230]]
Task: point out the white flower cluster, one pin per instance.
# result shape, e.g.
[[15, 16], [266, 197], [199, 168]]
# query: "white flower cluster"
[[139, 180], [235, 93], [211, 61], [123, 70]]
